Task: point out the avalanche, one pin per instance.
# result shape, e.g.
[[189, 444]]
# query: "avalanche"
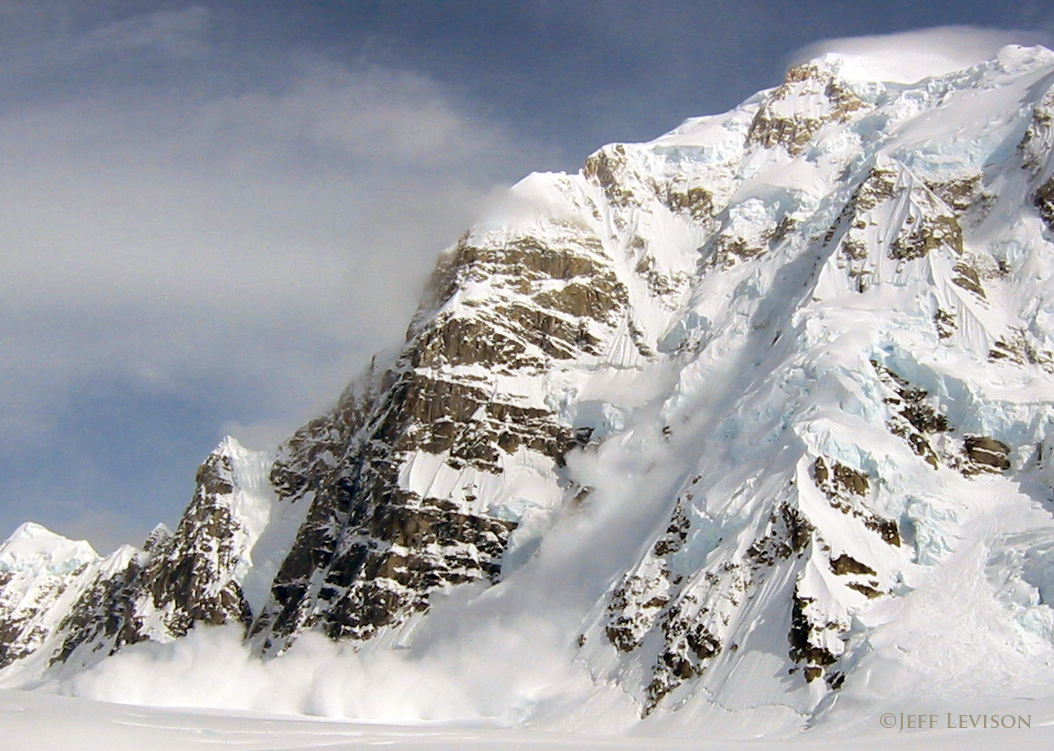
[[748, 428]]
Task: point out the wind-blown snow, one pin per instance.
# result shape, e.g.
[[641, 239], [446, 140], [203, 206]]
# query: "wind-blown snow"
[[910, 56]]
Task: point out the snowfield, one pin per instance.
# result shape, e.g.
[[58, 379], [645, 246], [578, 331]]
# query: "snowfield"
[[33, 721]]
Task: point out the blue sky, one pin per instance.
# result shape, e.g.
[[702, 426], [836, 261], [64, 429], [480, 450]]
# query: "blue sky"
[[215, 212]]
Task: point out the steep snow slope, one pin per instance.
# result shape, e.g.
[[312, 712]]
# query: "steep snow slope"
[[741, 426]]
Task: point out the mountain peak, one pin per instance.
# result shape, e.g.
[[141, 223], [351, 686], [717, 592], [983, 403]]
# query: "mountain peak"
[[35, 547]]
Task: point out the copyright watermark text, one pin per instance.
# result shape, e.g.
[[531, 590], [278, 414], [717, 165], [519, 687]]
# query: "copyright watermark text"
[[901, 721]]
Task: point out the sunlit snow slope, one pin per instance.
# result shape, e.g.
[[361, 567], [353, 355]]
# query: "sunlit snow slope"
[[749, 425]]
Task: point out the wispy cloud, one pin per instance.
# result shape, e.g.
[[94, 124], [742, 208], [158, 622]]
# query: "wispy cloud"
[[263, 237], [171, 32]]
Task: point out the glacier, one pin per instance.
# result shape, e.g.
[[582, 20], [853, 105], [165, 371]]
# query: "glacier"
[[747, 428]]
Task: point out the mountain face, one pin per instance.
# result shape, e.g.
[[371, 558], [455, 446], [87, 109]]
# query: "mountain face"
[[797, 356]]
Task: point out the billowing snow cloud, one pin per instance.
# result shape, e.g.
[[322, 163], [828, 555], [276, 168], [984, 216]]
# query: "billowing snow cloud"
[[912, 55]]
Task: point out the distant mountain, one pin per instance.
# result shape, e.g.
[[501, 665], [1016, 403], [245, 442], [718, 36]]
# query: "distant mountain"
[[798, 359]]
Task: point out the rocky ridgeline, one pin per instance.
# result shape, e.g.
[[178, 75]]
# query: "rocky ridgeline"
[[674, 270], [374, 546], [158, 593]]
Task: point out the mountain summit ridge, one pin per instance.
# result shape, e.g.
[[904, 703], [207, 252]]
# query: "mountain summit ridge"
[[742, 393]]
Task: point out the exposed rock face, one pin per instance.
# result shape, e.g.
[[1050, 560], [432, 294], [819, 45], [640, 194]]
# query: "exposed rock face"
[[377, 540], [178, 580], [987, 452], [794, 113], [193, 576], [103, 617], [810, 328]]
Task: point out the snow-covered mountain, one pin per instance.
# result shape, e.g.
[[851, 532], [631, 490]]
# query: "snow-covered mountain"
[[742, 417]]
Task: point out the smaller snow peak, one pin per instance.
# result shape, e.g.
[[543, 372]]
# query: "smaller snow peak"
[[118, 561], [34, 547], [157, 538], [32, 531]]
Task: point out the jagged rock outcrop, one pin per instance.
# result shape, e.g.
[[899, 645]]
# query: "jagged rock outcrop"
[[86, 607], [180, 579]]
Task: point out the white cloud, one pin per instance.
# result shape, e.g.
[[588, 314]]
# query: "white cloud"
[[168, 236], [265, 239], [909, 56]]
